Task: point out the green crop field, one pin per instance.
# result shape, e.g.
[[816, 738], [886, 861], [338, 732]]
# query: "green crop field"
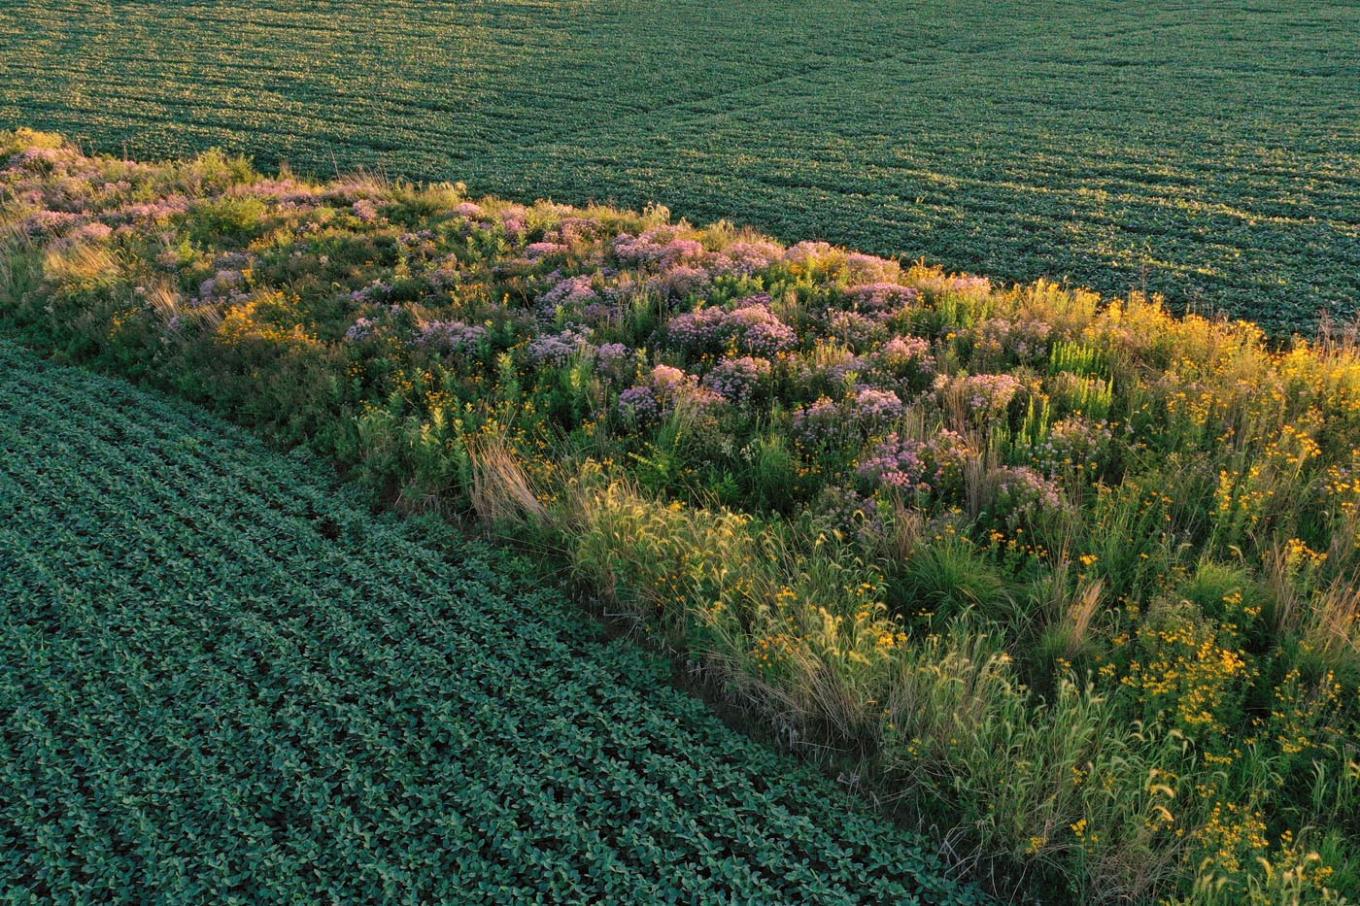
[[226, 681], [1206, 150]]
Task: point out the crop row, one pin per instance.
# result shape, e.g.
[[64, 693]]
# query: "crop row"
[[224, 681], [1115, 146]]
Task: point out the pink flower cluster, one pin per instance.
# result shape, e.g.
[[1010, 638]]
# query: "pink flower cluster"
[[661, 246], [223, 283], [1025, 341], [854, 329], [737, 380], [985, 396], [905, 354], [1022, 492], [881, 297], [362, 329], [751, 326], [664, 388], [569, 291], [819, 424], [874, 405], [535, 250], [908, 464], [1071, 442], [450, 336], [556, 348], [745, 258]]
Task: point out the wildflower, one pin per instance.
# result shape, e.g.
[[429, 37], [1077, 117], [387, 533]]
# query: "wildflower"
[[557, 348], [680, 282], [906, 463], [807, 253], [569, 291], [879, 297], [877, 405], [469, 210], [661, 246], [450, 336], [536, 250], [863, 269], [737, 379], [613, 355], [983, 396], [639, 403], [819, 424], [745, 258], [362, 329], [220, 283]]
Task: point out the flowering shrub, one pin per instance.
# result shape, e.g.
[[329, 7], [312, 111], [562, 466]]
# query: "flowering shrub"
[[881, 298], [858, 450], [983, 398], [569, 291], [908, 464], [556, 348], [879, 406], [737, 380], [450, 336]]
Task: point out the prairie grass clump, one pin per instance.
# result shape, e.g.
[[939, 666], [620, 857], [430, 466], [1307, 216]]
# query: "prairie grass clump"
[[1070, 581]]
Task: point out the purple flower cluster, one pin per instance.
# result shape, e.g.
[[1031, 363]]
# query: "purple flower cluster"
[[807, 253], [905, 354], [758, 329], [1073, 442], [567, 292], [365, 210], [220, 284], [745, 258], [39, 159], [819, 424], [881, 297], [680, 282], [908, 464], [662, 246], [664, 388], [377, 291], [468, 210], [151, 211], [513, 220], [284, 191], [450, 336], [536, 250], [984, 396], [1025, 341], [1024, 493], [639, 404], [705, 330], [613, 355], [874, 405], [46, 221], [361, 330], [556, 348], [864, 268], [92, 232], [738, 380], [853, 329], [752, 326]]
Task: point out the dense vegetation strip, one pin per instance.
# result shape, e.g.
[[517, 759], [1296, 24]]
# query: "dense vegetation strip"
[[1206, 150], [1071, 580], [224, 681]]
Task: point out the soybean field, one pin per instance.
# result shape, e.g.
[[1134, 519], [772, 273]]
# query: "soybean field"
[[226, 679], [1206, 150]]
